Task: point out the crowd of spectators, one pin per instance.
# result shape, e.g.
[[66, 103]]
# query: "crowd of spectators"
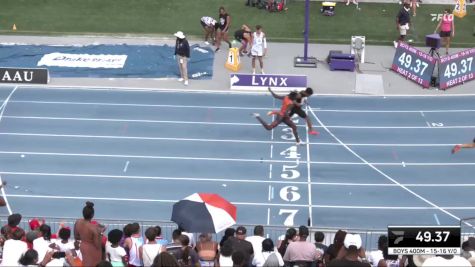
[[93, 245]]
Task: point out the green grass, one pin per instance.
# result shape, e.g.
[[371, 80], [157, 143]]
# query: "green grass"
[[163, 17]]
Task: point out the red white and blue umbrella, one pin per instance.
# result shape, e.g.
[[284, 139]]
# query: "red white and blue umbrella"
[[204, 213]]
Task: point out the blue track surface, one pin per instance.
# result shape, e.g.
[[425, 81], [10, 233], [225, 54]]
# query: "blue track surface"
[[377, 161]]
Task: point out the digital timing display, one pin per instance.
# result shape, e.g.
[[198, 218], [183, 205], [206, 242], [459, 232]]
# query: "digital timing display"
[[424, 240], [413, 64], [456, 69]]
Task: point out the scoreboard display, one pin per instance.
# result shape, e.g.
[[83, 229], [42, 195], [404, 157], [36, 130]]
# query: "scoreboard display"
[[456, 69], [424, 240], [413, 64]]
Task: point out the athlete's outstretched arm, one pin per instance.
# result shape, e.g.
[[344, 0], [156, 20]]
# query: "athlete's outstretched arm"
[[274, 94]]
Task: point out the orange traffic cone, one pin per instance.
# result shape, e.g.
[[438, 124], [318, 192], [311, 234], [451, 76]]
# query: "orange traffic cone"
[[14, 27]]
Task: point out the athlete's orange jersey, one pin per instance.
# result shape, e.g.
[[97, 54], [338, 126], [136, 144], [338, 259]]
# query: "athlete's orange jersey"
[[286, 102]]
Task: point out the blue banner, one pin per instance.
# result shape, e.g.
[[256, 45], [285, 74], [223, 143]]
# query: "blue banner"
[[108, 61]]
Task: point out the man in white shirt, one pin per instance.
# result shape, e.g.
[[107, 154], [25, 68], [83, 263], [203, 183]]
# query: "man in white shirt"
[[14, 248], [257, 238]]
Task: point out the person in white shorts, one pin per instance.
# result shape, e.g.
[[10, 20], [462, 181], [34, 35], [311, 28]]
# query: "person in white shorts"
[[258, 48], [403, 19]]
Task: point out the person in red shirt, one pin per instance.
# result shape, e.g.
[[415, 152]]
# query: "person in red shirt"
[[282, 116]]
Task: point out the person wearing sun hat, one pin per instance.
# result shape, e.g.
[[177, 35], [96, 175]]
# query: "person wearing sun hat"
[[353, 253], [182, 52]]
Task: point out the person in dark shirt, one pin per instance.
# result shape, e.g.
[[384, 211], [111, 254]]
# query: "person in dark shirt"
[[403, 20], [182, 52], [222, 32], [239, 243]]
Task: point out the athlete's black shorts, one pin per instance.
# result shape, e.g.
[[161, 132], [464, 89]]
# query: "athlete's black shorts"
[[298, 111]]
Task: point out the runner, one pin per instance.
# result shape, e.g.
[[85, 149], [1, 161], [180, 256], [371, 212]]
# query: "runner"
[[457, 148], [282, 116], [297, 108]]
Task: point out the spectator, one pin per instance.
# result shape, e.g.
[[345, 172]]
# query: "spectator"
[[257, 238], [63, 244], [209, 27], [403, 20], [89, 235], [42, 243], [414, 5], [132, 245], [207, 250], [353, 1], [389, 260], [225, 254], [301, 250], [160, 240], [447, 261], [174, 248], [229, 232], [258, 48], [187, 256], [290, 236], [165, 259], [115, 254], [29, 258], [239, 243], [239, 259], [244, 36], [12, 224], [268, 255], [13, 248], [447, 28], [191, 236], [467, 250], [182, 51], [151, 249], [375, 256], [333, 249], [35, 223], [223, 28], [319, 237], [352, 253]]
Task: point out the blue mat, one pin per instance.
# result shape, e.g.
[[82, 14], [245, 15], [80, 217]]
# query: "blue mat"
[[138, 61]]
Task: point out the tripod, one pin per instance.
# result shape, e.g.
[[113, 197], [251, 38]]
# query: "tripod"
[[433, 52]]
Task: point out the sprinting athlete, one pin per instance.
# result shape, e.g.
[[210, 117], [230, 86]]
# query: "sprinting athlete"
[[282, 116], [297, 107], [457, 148]]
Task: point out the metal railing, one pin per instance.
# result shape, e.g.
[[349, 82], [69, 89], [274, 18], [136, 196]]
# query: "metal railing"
[[369, 237]]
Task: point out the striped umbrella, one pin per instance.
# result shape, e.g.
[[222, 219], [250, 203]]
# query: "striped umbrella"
[[204, 213]]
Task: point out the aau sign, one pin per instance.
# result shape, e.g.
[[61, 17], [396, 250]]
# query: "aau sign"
[[11, 75]]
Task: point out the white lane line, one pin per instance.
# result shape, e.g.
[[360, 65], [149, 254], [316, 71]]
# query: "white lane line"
[[270, 171], [268, 216], [383, 173], [422, 114], [230, 107], [309, 177], [238, 203], [126, 166], [394, 111], [436, 219], [224, 92], [62, 154], [268, 195], [228, 123], [212, 140], [137, 105], [143, 157], [428, 124], [204, 179], [3, 107]]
